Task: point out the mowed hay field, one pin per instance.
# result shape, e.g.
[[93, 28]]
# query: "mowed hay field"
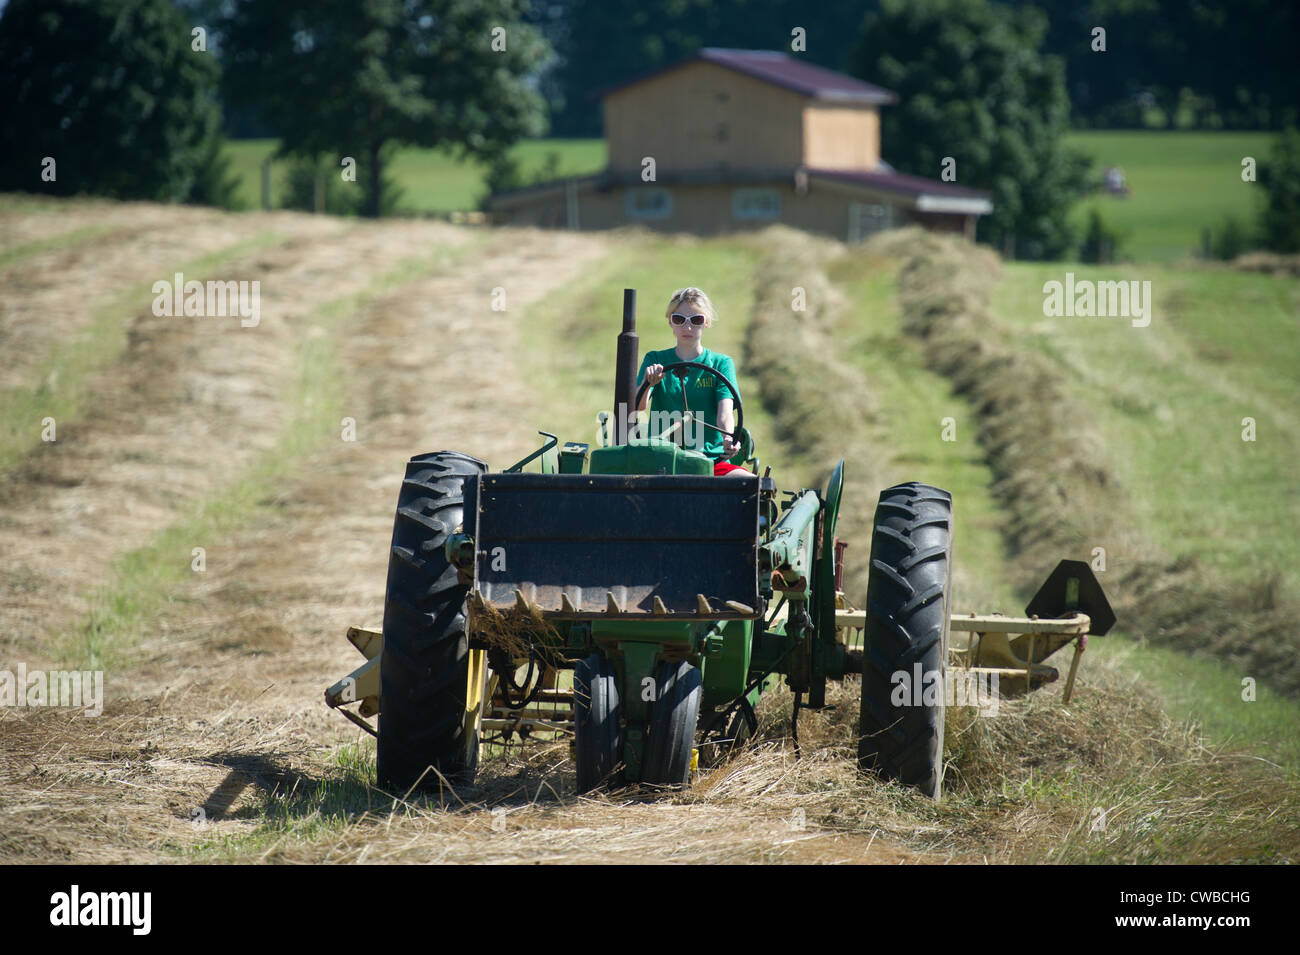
[[278, 450]]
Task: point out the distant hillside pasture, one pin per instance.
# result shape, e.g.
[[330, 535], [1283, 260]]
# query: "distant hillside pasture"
[[1181, 184], [431, 181]]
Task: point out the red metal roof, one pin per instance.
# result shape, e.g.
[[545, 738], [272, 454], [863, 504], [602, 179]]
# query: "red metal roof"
[[901, 182], [779, 69]]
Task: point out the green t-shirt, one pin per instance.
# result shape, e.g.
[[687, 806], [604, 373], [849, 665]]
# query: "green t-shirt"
[[703, 392]]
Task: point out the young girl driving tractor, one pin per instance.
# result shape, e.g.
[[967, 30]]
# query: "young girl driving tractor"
[[689, 313]]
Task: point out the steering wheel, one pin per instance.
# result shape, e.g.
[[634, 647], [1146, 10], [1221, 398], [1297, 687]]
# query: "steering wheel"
[[679, 368]]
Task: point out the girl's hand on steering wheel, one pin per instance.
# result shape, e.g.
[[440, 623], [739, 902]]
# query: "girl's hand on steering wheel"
[[654, 374], [730, 445]]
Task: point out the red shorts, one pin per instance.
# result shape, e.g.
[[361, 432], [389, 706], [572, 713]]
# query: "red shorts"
[[725, 467]]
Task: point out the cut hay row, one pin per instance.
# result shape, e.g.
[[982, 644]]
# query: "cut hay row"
[[1109, 778], [1054, 482], [782, 346]]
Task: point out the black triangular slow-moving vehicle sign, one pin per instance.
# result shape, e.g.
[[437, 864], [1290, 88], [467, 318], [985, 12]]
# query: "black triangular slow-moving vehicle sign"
[[1058, 597]]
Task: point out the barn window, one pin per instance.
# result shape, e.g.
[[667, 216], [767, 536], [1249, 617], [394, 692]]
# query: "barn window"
[[648, 203], [756, 204], [868, 218]]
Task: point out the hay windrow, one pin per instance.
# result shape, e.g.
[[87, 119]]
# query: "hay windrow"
[[1271, 263], [822, 407], [1053, 478]]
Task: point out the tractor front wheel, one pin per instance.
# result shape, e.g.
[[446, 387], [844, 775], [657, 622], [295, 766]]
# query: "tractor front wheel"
[[673, 717], [597, 714], [905, 660]]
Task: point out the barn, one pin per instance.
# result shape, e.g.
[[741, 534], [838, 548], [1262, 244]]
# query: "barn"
[[730, 140]]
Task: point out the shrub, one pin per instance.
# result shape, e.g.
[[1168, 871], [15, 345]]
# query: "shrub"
[[1101, 240]]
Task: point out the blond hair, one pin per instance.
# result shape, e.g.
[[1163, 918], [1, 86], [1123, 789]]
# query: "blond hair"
[[697, 298]]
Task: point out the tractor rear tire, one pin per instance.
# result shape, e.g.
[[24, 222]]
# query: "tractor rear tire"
[[425, 666], [673, 717], [908, 592], [596, 717]]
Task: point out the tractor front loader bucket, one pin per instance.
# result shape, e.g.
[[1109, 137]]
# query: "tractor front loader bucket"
[[608, 546]]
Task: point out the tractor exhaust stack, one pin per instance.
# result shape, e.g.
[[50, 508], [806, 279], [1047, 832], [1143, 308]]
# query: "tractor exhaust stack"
[[629, 348]]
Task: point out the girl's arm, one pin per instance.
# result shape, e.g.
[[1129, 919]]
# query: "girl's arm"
[[726, 421]]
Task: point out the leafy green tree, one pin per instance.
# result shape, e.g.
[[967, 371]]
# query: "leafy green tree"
[[349, 79], [973, 86], [114, 93], [1280, 178], [1208, 64], [215, 183]]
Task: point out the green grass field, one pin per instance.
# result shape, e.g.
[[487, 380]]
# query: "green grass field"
[[1182, 182], [431, 181], [1170, 399], [910, 443]]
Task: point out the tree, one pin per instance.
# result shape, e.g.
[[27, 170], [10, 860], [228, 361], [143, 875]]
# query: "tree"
[[346, 80], [1209, 64], [1280, 178], [972, 85], [113, 93]]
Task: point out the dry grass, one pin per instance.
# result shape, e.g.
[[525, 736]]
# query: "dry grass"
[[512, 630], [137, 779], [220, 711], [1270, 262], [1034, 784]]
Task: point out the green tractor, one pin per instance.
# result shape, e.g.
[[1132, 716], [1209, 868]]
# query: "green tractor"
[[676, 599]]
